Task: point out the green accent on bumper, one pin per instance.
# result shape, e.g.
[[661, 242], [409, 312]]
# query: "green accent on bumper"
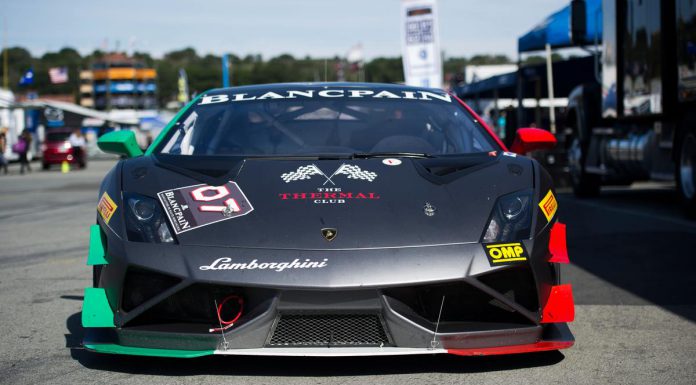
[[96, 312], [97, 253], [136, 351], [171, 123]]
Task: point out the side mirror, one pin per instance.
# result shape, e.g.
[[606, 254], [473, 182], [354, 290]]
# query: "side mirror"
[[120, 143], [532, 139]]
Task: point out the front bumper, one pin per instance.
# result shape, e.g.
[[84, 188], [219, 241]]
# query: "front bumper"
[[422, 306], [58, 157], [404, 333]]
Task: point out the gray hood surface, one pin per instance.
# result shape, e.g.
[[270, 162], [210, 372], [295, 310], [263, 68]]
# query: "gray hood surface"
[[376, 205]]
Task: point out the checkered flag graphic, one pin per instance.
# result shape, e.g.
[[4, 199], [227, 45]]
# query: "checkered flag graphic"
[[354, 172], [304, 172]]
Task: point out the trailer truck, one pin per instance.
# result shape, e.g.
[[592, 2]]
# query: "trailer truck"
[[638, 120]]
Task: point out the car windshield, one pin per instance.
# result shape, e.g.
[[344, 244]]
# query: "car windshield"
[[57, 136], [326, 120]]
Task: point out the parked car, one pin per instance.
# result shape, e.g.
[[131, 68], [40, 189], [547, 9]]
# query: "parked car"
[[57, 149]]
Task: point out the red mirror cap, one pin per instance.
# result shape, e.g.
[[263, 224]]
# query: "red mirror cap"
[[532, 139]]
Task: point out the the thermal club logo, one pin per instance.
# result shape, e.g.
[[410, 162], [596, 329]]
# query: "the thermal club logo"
[[505, 253], [549, 205], [106, 207]]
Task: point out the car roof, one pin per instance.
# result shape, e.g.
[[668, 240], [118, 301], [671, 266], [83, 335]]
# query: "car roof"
[[314, 85]]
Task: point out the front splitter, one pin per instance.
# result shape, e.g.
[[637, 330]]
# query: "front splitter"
[[330, 352]]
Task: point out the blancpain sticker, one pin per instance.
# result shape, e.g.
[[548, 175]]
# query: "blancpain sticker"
[[200, 205], [226, 263], [392, 162], [327, 93]]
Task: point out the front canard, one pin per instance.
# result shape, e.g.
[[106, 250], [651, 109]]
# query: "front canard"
[[106, 207], [200, 205], [505, 253]]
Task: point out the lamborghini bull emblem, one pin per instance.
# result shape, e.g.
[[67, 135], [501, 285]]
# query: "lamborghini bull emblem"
[[329, 234]]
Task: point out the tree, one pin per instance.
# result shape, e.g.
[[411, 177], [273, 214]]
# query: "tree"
[[19, 60]]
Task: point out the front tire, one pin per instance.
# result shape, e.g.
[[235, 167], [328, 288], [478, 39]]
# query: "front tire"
[[686, 173], [584, 184]]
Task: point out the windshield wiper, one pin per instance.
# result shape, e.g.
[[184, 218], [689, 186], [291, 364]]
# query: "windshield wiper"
[[299, 157], [366, 155]]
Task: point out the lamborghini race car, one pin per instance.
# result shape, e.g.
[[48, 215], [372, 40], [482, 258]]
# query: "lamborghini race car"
[[327, 219]]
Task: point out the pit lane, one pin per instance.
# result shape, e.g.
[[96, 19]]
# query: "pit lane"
[[633, 271]]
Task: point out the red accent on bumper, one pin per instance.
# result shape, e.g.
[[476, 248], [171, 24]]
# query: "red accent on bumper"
[[558, 248], [514, 349], [560, 306]]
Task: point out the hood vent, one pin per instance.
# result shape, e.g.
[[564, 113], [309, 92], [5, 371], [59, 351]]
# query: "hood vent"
[[212, 170], [446, 169]]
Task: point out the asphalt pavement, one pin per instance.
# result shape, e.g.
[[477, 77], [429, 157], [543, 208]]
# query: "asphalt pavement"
[[633, 272]]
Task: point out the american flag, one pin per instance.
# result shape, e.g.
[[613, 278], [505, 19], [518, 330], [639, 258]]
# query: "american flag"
[[58, 75]]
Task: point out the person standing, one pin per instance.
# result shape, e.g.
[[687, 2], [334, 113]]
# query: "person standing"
[[78, 143], [22, 148], [3, 147]]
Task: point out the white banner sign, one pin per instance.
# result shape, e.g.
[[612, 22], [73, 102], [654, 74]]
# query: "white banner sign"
[[420, 46]]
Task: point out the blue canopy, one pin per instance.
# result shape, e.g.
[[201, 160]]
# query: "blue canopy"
[[571, 73], [555, 29]]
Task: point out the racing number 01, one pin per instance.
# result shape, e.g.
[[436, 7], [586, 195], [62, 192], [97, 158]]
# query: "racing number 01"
[[220, 192]]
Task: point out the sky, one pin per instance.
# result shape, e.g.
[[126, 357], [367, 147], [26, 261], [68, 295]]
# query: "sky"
[[268, 27]]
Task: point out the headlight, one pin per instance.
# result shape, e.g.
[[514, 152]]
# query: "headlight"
[[511, 219], [145, 220]]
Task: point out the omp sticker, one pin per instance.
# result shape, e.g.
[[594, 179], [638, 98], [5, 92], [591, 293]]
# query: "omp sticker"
[[106, 207], [549, 205], [505, 253], [200, 205]]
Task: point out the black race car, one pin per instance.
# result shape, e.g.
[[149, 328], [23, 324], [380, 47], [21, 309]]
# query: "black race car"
[[329, 219]]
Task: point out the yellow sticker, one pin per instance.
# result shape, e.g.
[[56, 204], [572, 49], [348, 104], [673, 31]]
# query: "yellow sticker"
[[106, 207], [505, 253], [549, 205]]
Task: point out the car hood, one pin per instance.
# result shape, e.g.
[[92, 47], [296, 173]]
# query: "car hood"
[[366, 203]]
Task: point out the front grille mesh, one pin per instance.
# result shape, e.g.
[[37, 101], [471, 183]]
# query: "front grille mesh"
[[329, 330]]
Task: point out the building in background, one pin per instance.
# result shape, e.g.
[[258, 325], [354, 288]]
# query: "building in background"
[[86, 89], [116, 81]]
